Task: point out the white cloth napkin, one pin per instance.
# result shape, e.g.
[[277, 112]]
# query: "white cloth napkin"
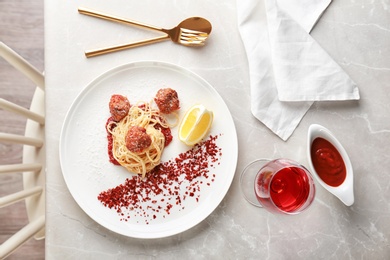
[[288, 69]]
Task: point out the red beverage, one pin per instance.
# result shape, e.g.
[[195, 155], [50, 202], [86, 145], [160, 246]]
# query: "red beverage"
[[289, 189]]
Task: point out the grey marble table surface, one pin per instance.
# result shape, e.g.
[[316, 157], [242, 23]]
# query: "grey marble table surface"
[[356, 34]]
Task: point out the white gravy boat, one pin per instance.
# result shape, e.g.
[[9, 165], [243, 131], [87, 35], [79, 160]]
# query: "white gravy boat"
[[344, 191]]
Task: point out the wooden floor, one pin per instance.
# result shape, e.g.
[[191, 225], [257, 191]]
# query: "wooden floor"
[[21, 28]]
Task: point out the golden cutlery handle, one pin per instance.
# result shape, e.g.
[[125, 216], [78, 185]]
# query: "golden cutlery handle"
[[97, 52], [117, 19]]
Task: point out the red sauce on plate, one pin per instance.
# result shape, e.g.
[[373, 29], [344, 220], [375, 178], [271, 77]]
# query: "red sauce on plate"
[[328, 162], [110, 141], [166, 131]]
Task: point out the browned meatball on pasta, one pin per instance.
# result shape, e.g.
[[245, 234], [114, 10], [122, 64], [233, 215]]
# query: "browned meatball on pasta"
[[137, 139], [119, 107], [167, 100]]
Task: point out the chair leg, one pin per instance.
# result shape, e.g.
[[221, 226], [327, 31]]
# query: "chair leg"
[[9, 106], [22, 167], [18, 196], [21, 237], [22, 65], [19, 139]]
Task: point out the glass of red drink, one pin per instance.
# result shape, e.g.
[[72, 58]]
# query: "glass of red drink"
[[280, 186]]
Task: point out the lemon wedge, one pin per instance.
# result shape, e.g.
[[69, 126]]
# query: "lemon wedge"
[[195, 124]]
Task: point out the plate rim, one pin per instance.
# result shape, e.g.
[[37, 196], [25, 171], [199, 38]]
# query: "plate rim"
[[145, 64]]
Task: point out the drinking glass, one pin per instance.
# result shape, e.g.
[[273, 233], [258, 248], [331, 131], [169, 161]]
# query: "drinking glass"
[[280, 186]]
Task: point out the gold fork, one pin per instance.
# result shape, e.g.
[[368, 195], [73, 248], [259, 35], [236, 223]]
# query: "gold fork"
[[191, 32]]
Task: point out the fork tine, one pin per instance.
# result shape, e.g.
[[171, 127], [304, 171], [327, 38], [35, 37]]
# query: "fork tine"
[[185, 36], [192, 32], [192, 41], [195, 34], [191, 37]]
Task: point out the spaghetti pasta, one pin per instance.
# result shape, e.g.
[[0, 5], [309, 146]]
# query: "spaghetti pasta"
[[141, 114]]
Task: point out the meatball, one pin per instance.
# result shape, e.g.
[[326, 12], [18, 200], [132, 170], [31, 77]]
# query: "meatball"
[[137, 139], [167, 100], [119, 107]]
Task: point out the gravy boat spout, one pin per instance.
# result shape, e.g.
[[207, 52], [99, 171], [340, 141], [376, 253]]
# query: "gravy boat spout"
[[322, 159]]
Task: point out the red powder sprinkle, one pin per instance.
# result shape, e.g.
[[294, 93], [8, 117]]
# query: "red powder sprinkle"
[[188, 168]]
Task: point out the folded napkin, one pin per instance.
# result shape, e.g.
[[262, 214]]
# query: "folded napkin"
[[288, 69]]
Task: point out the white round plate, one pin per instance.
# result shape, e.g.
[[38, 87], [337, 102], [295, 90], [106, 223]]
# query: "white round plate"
[[83, 146]]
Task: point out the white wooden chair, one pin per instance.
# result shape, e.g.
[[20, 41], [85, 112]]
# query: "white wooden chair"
[[33, 163]]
